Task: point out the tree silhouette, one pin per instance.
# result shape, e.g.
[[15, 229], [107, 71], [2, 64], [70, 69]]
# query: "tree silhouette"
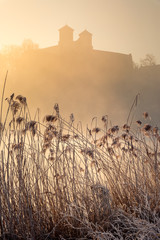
[[149, 60]]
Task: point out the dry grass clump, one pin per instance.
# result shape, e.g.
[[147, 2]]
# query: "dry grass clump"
[[58, 183]]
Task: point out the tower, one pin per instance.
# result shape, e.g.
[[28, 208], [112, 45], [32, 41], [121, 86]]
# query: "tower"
[[66, 36], [85, 39]]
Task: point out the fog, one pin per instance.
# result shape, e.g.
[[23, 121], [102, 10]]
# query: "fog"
[[87, 83]]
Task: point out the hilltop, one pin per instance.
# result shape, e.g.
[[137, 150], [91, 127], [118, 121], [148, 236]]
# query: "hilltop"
[[79, 78]]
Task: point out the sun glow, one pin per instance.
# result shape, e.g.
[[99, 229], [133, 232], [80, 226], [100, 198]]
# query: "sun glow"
[[117, 25]]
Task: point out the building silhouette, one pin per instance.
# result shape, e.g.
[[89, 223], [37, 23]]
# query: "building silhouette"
[[66, 39], [80, 55], [83, 80], [74, 74]]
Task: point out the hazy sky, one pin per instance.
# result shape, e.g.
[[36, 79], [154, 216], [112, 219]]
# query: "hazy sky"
[[126, 26]]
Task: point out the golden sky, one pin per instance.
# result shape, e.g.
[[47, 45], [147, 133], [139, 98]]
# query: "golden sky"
[[126, 26]]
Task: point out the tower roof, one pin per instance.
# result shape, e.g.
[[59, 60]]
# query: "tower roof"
[[85, 32], [66, 27]]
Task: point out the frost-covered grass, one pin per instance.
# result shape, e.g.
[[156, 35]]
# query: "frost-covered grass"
[[60, 182]]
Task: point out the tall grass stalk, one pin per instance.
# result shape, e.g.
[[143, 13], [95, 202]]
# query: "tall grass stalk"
[[58, 183]]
